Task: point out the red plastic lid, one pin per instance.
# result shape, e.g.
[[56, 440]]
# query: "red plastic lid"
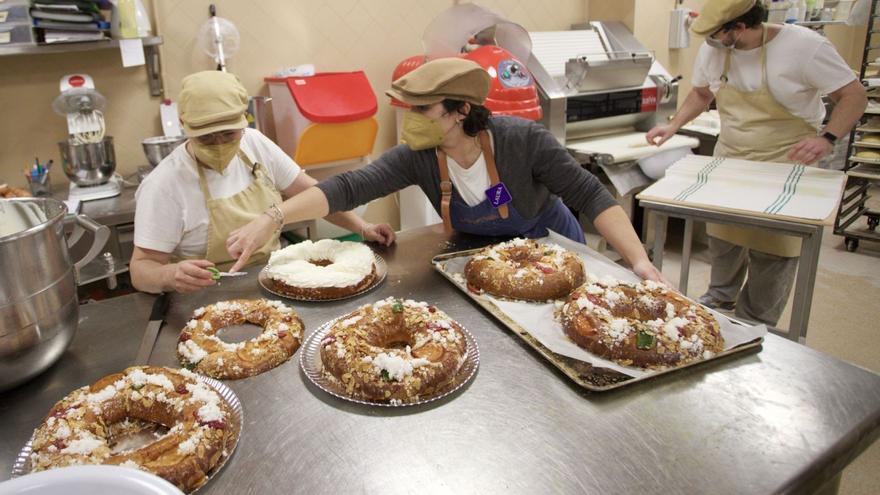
[[333, 97]]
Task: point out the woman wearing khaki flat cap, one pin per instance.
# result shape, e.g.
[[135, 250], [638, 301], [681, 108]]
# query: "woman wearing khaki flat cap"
[[494, 176], [225, 176]]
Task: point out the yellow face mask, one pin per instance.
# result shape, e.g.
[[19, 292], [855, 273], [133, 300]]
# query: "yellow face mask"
[[215, 156], [419, 132]]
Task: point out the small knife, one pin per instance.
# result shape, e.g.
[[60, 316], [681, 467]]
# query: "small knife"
[[216, 274], [157, 316]]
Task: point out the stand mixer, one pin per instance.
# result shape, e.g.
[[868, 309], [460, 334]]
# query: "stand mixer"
[[87, 156]]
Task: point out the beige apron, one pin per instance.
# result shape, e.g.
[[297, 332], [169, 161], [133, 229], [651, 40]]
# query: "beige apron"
[[228, 214], [754, 126]]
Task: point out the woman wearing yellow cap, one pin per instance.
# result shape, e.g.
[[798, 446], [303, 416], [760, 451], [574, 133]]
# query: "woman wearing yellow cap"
[[225, 176], [495, 176], [767, 81]]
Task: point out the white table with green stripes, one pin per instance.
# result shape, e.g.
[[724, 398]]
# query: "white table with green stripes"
[[783, 198]]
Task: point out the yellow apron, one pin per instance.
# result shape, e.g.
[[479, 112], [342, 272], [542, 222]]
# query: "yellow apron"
[[754, 126], [228, 214]]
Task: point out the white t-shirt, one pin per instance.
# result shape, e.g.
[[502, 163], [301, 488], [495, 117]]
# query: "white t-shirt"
[[171, 215], [801, 67], [471, 183]]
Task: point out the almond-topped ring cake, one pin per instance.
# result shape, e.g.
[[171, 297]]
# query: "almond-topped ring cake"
[[326, 269], [646, 325], [524, 269], [200, 350], [393, 350], [77, 429]]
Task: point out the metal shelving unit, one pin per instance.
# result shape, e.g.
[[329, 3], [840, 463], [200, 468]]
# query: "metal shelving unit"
[[151, 54], [862, 172]]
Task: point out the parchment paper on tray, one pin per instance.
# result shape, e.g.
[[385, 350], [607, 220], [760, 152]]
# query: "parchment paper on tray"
[[538, 318]]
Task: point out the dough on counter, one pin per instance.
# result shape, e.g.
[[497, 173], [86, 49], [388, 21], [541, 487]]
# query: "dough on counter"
[[523, 269], [79, 429], [200, 350], [326, 269], [393, 350], [7, 191], [646, 325], [870, 155], [870, 138]]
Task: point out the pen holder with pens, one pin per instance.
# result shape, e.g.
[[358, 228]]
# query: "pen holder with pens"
[[41, 186]]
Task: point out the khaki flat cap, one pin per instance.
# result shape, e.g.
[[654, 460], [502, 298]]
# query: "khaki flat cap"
[[212, 101], [716, 13], [445, 78]]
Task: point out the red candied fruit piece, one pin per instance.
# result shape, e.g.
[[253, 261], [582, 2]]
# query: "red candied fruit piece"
[[184, 337], [432, 309], [59, 444], [217, 425], [282, 335], [181, 389], [545, 269]]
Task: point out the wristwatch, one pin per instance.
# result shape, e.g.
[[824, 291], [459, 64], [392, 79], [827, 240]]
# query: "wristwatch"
[[830, 137]]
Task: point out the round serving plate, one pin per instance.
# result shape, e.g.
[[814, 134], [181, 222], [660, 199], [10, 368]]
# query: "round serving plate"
[[381, 273], [90, 480], [310, 361], [22, 465]]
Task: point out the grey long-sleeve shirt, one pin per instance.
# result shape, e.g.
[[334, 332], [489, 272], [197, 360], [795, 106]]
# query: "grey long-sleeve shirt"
[[531, 163]]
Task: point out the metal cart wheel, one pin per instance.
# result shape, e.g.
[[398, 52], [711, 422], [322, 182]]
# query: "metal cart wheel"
[[852, 244], [873, 222]]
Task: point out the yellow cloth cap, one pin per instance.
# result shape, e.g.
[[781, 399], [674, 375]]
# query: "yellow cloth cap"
[[717, 13], [444, 78], [212, 101]]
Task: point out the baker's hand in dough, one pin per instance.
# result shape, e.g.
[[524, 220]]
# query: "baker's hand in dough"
[[810, 150], [242, 242], [660, 134], [381, 233]]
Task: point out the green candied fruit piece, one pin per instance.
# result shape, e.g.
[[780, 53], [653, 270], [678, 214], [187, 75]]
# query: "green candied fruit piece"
[[645, 340], [385, 376], [397, 307]]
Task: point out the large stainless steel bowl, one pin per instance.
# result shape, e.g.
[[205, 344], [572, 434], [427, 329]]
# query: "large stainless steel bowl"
[[157, 148], [88, 164], [38, 301]]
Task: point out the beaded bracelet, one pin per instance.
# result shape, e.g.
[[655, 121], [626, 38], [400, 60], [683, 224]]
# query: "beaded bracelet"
[[274, 212]]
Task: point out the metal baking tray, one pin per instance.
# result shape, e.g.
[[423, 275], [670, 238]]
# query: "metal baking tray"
[[381, 273], [22, 464], [584, 374]]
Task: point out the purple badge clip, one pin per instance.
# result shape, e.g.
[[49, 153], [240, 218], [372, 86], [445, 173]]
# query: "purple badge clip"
[[498, 195]]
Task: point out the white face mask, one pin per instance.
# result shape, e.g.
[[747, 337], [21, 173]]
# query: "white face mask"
[[716, 43]]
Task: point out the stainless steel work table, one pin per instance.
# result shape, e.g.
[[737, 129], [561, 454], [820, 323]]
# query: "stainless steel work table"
[[785, 419]]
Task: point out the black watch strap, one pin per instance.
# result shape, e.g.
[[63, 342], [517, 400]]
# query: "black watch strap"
[[830, 137]]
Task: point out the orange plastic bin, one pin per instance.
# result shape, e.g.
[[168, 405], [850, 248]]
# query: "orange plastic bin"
[[324, 118]]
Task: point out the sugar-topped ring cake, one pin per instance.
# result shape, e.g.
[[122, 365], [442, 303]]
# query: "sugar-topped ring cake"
[[646, 325], [200, 350], [524, 269], [393, 350], [77, 429], [325, 269]]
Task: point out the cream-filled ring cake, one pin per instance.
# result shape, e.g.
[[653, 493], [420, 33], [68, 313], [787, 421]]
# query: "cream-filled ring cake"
[[326, 269]]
